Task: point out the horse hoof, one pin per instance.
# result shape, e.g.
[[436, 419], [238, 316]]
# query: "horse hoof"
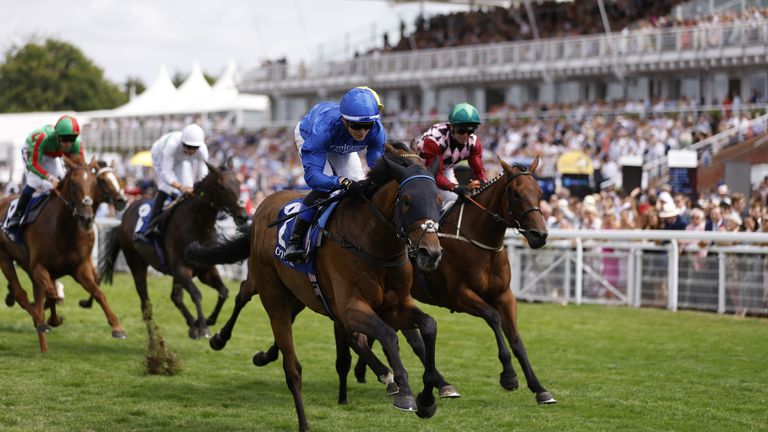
[[392, 388], [204, 333], [194, 333], [426, 405], [405, 403], [55, 322], [261, 359], [448, 392], [85, 304], [119, 334], [509, 382], [545, 398], [217, 342], [9, 300], [43, 328]]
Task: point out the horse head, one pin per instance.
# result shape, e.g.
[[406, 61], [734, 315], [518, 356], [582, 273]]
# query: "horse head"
[[77, 190], [109, 187], [417, 210], [222, 189], [522, 195]]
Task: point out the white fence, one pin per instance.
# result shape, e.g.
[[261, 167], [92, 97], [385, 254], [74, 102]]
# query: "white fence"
[[622, 267], [628, 267]]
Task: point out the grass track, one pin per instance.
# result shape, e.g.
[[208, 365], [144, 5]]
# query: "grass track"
[[611, 369]]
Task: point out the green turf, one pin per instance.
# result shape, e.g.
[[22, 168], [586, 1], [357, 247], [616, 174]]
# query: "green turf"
[[609, 368]]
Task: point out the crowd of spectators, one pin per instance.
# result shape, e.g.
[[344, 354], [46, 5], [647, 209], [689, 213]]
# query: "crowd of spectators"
[[485, 25]]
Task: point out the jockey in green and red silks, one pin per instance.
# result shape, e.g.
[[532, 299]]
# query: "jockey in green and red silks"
[[41, 155]]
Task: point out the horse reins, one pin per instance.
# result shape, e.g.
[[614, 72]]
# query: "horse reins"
[[516, 225]]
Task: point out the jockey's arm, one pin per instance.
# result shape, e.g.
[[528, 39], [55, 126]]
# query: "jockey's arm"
[[165, 171], [376, 148], [475, 161], [36, 151], [202, 157], [430, 151], [313, 159]]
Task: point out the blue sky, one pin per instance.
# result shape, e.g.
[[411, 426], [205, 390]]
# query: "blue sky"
[[134, 38]]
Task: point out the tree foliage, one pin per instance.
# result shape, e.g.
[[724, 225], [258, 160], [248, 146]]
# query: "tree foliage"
[[54, 76]]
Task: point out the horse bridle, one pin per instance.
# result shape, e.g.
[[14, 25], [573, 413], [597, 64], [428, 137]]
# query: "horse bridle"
[[515, 224], [87, 201], [398, 227], [104, 188]]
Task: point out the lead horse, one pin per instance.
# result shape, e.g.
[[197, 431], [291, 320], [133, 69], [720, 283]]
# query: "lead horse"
[[58, 243], [362, 267], [192, 218]]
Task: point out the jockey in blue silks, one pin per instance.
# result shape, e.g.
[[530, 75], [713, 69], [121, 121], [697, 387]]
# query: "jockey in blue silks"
[[328, 138]]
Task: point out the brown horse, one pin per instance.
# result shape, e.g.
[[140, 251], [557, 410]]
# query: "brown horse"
[[472, 235], [108, 191], [192, 218], [58, 243], [363, 270]]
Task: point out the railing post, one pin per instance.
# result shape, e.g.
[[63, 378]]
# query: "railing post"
[[567, 275], [638, 278], [579, 269], [631, 276], [721, 282], [515, 281], [674, 259]]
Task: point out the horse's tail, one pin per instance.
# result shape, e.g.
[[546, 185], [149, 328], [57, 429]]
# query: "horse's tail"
[[108, 255], [230, 252]]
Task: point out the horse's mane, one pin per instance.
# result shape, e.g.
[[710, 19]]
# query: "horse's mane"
[[492, 181]]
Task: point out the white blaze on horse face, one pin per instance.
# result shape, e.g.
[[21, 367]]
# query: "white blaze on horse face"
[[113, 180]]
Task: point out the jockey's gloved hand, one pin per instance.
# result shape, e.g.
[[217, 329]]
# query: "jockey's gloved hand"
[[462, 191], [350, 185]]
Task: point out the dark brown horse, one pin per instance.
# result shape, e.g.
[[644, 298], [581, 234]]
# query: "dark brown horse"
[[58, 243], [192, 218], [474, 275], [363, 269]]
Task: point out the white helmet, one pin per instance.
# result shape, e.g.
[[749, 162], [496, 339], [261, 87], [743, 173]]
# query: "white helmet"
[[192, 135]]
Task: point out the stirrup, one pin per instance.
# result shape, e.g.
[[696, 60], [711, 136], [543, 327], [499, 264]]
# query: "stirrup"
[[297, 255]]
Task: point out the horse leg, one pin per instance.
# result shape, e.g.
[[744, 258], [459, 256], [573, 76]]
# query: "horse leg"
[[84, 275], [247, 291], [41, 284], [15, 291], [139, 272], [405, 318], [360, 318], [55, 319], [468, 301], [507, 307], [279, 306], [262, 358], [413, 336], [177, 297], [343, 360], [183, 276], [212, 278], [362, 344]]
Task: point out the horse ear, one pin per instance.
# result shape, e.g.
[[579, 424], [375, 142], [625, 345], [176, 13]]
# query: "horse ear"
[[112, 164], [388, 149], [94, 164], [212, 169], [507, 168], [69, 163], [534, 165], [398, 172], [434, 168]]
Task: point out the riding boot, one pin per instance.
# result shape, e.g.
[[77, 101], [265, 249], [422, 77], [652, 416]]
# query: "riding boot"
[[21, 207], [296, 245]]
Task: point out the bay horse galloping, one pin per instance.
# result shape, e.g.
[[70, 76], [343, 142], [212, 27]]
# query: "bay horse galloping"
[[363, 270], [58, 243], [474, 275], [191, 218]]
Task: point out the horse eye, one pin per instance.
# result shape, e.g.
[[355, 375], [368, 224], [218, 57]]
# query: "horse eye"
[[406, 202]]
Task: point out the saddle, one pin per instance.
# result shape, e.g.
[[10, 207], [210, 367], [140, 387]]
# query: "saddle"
[[34, 208], [314, 236]]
